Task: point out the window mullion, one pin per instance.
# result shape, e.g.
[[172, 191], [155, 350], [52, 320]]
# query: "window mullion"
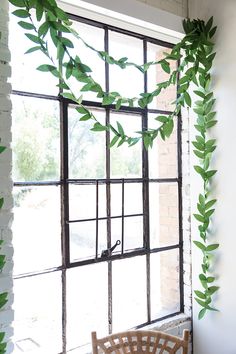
[[65, 247], [108, 187], [146, 232]]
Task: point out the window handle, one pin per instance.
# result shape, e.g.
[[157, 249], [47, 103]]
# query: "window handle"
[[108, 252]]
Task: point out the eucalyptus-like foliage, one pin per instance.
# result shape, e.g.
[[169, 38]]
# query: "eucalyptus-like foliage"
[[194, 52]]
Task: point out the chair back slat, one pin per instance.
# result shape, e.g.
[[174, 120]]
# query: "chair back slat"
[[140, 342]]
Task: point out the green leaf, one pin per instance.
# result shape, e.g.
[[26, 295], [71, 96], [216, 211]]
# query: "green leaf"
[[85, 117], [98, 127], [120, 129], [198, 145], [46, 68], [168, 128], [211, 124], [212, 289], [209, 24], [39, 11], [199, 217], [187, 99], [211, 173], [43, 29], [210, 142], [210, 279], [26, 25], [21, 13], [199, 93], [202, 277], [199, 154], [80, 109], [114, 141], [2, 335], [3, 299], [165, 66], [183, 80], [212, 247], [61, 14], [201, 303], [33, 38], [202, 313], [33, 49], [118, 104], [200, 171], [2, 148], [18, 3], [107, 100], [200, 294], [210, 116], [66, 42], [209, 213], [212, 31], [162, 119], [210, 203], [200, 245], [147, 140]]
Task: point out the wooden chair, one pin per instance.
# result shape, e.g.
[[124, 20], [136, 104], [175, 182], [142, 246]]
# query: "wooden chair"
[[140, 342]]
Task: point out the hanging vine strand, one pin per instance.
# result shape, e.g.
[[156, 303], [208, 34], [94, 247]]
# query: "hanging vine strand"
[[195, 51]]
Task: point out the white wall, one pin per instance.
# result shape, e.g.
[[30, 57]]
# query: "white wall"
[[216, 333], [177, 7]]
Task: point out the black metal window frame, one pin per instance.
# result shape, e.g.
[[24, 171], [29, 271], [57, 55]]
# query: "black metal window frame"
[[65, 181]]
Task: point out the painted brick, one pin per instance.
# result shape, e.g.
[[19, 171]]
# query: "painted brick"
[[6, 282]]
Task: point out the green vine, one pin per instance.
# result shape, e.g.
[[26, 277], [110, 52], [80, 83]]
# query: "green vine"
[[194, 51]]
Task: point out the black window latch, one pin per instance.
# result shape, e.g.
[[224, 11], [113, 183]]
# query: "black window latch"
[[108, 252]]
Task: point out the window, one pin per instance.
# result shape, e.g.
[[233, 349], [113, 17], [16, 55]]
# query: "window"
[[75, 199]]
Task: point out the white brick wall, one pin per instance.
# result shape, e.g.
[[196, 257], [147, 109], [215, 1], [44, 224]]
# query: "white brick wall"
[[6, 315], [177, 7]]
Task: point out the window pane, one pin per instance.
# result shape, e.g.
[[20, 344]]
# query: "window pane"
[[164, 214], [87, 153], [116, 199], [83, 201], [38, 315], [83, 239], [126, 161], [36, 228], [25, 77], [129, 293], [94, 36], [164, 100], [163, 156], [87, 303], [133, 198], [164, 283], [116, 233], [36, 144], [133, 232], [120, 46]]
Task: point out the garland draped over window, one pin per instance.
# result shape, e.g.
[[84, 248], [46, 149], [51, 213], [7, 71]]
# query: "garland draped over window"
[[195, 53]]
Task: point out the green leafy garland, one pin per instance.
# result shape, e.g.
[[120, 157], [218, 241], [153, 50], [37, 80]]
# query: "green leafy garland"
[[194, 51]]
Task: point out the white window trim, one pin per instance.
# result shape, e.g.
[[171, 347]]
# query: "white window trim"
[[131, 15]]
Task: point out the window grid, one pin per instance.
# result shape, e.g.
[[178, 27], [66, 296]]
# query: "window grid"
[[65, 182]]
